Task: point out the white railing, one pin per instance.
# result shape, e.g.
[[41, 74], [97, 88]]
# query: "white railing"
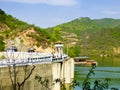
[[33, 58]]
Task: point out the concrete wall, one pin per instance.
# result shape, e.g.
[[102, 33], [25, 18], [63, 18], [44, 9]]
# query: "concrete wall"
[[63, 71], [43, 70], [57, 70]]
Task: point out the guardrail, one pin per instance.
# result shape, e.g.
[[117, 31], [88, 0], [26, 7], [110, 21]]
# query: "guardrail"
[[33, 60]]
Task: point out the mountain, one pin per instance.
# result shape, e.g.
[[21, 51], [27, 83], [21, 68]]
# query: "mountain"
[[22, 34], [82, 36], [85, 23], [95, 36]]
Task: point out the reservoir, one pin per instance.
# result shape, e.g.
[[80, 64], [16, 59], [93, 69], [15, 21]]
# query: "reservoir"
[[108, 67]]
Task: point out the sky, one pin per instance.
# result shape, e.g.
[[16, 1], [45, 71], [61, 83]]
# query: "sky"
[[49, 13]]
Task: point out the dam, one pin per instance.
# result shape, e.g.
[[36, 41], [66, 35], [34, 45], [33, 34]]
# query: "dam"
[[55, 70]]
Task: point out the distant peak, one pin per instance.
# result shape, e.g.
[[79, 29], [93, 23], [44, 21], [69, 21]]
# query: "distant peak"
[[84, 18]]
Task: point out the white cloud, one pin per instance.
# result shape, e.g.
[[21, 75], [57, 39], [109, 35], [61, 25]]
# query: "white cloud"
[[49, 2], [111, 12]]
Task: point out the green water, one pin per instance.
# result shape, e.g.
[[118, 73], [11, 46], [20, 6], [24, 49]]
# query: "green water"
[[106, 68]]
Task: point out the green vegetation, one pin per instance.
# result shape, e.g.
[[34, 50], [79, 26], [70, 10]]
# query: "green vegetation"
[[96, 37], [2, 57], [102, 41], [12, 22], [79, 25], [43, 81], [94, 85], [2, 44], [10, 28], [72, 51]]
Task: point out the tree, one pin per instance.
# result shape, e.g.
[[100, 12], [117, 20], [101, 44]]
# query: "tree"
[[2, 44], [13, 71], [98, 84], [25, 77], [13, 76], [43, 81]]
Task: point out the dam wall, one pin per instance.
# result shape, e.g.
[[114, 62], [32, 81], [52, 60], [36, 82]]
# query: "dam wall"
[[43, 70], [63, 73], [56, 73]]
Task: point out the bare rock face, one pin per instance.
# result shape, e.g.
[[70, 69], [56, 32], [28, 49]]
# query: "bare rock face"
[[23, 41], [3, 27], [71, 38], [116, 50]]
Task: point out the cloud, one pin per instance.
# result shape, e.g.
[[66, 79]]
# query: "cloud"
[[111, 12], [49, 2]]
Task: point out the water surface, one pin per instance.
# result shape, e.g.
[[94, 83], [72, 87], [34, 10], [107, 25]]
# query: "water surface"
[[106, 68]]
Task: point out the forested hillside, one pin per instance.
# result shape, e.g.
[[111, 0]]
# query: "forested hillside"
[[21, 33], [85, 23], [82, 36], [96, 37]]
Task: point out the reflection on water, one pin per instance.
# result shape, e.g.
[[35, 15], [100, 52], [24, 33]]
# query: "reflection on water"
[[106, 62], [107, 68]]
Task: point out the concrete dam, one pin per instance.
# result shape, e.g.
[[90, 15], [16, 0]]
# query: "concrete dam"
[[36, 71]]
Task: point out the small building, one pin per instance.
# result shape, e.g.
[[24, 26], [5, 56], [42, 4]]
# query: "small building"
[[59, 47], [12, 49], [31, 50]]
